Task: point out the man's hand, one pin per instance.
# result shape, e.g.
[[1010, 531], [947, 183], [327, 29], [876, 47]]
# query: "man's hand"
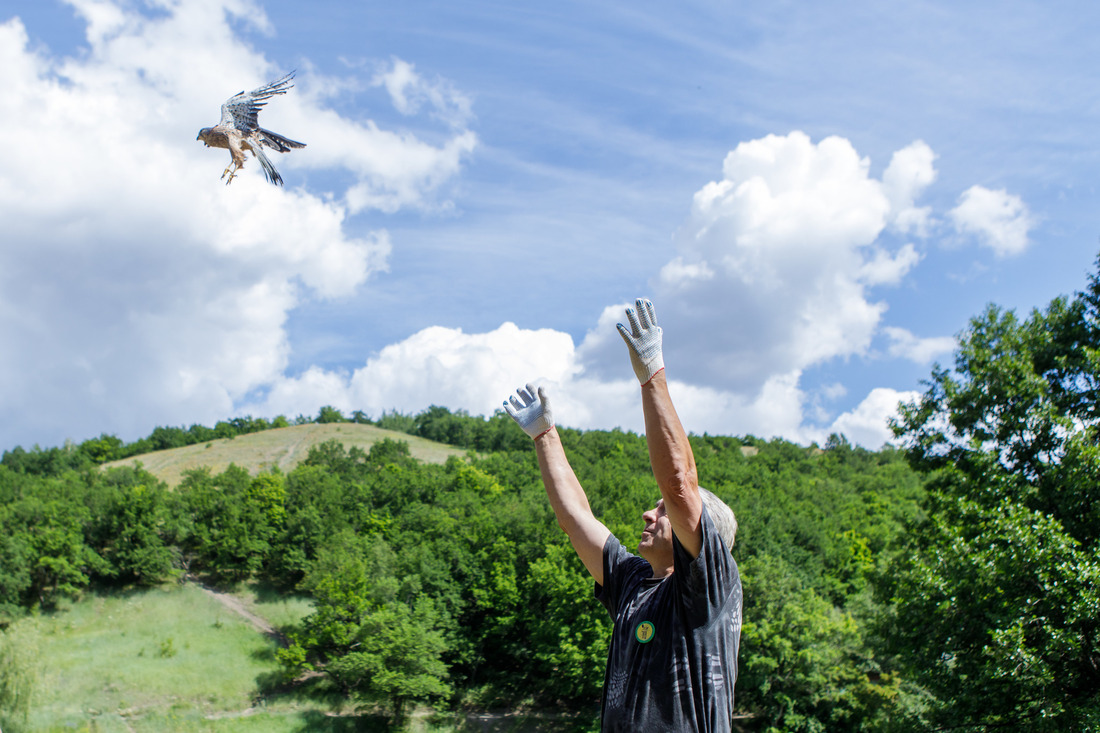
[[644, 340], [533, 414]]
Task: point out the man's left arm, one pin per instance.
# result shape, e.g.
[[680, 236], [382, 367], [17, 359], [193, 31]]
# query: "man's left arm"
[[670, 452]]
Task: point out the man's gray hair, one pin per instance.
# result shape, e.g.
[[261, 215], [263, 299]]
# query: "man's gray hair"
[[722, 516]]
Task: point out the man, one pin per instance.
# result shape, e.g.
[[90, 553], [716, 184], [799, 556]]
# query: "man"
[[672, 662]]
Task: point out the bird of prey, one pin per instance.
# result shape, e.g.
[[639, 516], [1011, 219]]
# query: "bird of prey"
[[239, 131]]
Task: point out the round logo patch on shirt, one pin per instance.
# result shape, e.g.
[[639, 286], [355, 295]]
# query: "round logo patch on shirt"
[[644, 632]]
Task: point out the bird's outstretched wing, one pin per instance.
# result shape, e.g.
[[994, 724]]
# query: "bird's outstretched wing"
[[240, 110]]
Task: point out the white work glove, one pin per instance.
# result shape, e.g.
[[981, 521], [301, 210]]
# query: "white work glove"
[[644, 340], [532, 413]]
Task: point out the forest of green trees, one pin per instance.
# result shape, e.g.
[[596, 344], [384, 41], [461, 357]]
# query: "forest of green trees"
[[950, 583]]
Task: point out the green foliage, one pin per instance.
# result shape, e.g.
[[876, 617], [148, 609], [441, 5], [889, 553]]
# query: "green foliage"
[[267, 493], [397, 657], [60, 563], [806, 665], [128, 526], [329, 414], [397, 421], [167, 649], [228, 528], [996, 605], [58, 534], [1013, 602], [453, 583], [570, 632], [376, 637]]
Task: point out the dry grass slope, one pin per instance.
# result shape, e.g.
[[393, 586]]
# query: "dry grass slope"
[[284, 448]]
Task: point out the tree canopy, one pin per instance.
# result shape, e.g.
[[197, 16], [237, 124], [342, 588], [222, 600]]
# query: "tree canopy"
[[996, 598]]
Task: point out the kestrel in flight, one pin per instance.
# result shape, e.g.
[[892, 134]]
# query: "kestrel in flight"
[[239, 131]]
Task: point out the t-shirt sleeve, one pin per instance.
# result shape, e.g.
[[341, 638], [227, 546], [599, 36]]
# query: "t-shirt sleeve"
[[620, 570], [708, 583]]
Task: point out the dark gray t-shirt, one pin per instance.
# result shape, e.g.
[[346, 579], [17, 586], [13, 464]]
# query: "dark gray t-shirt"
[[672, 661]]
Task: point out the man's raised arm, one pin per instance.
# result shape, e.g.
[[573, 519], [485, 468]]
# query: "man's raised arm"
[[570, 504], [669, 450]]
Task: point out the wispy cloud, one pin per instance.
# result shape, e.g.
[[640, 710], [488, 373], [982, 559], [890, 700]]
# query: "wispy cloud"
[[904, 345]]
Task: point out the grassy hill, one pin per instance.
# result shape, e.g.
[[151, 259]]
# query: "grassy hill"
[[281, 447], [172, 660]]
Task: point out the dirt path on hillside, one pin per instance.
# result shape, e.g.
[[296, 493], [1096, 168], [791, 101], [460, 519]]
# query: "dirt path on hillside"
[[235, 605]]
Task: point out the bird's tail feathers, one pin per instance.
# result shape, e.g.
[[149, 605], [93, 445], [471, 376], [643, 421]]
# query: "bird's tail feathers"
[[275, 141], [269, 169]]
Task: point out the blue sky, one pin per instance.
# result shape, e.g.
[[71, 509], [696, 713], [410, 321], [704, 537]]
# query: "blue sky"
[[817, 197]]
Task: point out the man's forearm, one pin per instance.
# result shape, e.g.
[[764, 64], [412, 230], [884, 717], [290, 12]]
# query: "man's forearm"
[[669, 450], [530, 408], [570, 504], [567, 498], [673, 462]]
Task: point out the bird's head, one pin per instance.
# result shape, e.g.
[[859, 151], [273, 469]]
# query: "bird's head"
[[202, 135]]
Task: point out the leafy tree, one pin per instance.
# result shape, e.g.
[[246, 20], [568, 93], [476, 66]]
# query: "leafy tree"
[[397, 421], [127, 527], [398, 656], [50, 521], [102, 449], [45, 461], [569, 629], [163, 438], [329, 414], [15, 570], [388, 451], [805, 665], [375, 637], [997, 603], [229, 528], [267, 494]]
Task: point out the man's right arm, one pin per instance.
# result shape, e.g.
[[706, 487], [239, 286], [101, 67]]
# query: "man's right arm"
[[567, 498]]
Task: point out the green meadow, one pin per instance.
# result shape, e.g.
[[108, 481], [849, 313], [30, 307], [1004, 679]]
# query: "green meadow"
[[167, 659]]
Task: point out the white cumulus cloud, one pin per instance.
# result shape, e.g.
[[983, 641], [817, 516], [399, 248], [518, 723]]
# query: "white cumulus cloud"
[[868, 424], [135, 288], [775, 264], [442, 366], [998, 219], [910, 172], [772, 276]]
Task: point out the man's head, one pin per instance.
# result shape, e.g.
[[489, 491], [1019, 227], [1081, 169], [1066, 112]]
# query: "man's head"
[[655, 544]]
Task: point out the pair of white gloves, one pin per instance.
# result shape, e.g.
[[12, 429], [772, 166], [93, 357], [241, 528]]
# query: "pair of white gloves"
[[532, 410]]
